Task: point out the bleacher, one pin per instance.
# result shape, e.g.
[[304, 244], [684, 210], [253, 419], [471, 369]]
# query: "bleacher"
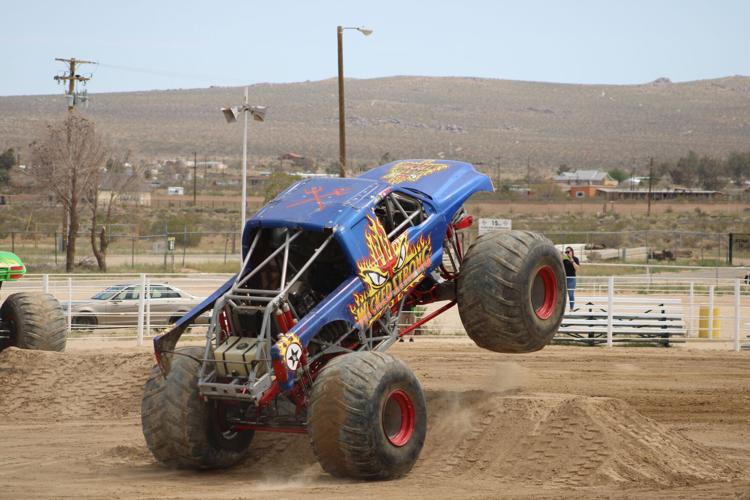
[[635, 319]]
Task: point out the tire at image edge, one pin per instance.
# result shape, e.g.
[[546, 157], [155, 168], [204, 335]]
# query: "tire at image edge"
[[36, 321]]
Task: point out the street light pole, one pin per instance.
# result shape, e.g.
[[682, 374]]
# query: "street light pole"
[[342, 127], [342, 117]]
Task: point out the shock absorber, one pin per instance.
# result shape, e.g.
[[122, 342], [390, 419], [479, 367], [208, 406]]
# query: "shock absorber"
[[226, 328], [281, 319], [288, 316]]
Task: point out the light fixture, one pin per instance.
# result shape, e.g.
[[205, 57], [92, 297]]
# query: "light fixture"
[[230, 115]]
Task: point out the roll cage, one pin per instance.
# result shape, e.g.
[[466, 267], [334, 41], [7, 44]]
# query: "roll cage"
[[277, 307]]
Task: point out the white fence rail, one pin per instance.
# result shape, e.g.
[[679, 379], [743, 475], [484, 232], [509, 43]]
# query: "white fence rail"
[[714, 310], [139, 316]]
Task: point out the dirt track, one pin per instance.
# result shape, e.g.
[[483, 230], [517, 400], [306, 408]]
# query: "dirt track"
[[567, 421]]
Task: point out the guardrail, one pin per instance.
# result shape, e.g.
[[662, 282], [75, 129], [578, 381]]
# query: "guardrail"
[[715, 302]]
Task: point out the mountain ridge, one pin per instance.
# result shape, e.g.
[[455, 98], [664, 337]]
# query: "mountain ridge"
[[498, 122]]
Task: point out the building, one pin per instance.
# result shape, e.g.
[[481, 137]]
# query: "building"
[[297, 161], [124, 189], [657, 194], [583, 191], [585, 178]]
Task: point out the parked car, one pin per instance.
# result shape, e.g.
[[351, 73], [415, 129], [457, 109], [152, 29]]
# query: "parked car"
[[118, 306]]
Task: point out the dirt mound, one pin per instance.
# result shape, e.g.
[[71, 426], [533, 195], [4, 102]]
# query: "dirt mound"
[[52, 386], [559, 440], [545, 440]]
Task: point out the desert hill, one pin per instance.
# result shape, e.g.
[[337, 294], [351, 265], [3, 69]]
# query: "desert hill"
[[497, 122]]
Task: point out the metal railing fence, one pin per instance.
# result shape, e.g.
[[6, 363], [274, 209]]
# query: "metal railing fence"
[[714, 302]]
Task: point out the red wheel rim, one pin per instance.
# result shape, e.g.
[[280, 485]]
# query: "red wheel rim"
[[398, 418], [544, 292]]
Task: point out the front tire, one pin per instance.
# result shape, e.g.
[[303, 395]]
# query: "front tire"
[[181, 430], [34, 321], [511, 291], [368, 417]]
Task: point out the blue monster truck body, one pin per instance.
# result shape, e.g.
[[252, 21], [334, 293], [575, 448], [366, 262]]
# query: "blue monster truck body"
[[386, 263], [332, 270]]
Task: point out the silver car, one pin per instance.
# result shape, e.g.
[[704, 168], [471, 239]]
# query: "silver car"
[[118, 306]]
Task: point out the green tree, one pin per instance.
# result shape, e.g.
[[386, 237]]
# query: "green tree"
[[7, 161], [685, 171], [709, 172], [618, 174], [738, 166]]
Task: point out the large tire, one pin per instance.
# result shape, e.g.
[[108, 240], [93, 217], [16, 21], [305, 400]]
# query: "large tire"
[[34, 321], [367, 417], [181, 430], [511, 291]]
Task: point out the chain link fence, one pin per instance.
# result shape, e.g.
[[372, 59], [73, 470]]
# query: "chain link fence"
[[171, 251], [168, 251], [658, 246]]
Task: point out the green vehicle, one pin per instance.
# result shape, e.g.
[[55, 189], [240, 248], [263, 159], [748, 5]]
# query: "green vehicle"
[[29, 320]]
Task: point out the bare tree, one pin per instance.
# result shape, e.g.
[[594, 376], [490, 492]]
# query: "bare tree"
[[66, 161], [107, 190]]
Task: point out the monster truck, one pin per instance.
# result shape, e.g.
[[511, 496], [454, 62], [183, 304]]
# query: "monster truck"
[[29, 320], [296, 339]]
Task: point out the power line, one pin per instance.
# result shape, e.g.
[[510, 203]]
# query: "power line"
[[170, 74]]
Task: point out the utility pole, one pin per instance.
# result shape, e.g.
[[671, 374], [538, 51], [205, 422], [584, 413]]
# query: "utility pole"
[[195, 176], [650, 183], [73, 78], [342, 119]]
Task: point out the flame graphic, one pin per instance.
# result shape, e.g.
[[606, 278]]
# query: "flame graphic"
[[410, 171], [389, 273]]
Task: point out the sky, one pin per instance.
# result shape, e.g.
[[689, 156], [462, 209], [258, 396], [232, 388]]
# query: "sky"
[[145, 45]]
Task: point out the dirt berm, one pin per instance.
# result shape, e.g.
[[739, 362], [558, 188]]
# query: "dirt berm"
[[74, 417]]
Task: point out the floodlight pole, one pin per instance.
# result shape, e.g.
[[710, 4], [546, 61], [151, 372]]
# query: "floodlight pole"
[[230, 115], [245, 111]]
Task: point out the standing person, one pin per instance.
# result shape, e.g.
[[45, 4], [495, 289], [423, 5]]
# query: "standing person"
[[571, 263]]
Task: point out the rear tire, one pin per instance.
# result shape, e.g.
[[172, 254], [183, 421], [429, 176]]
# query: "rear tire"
[[35, 321], [367, 417], [511, 291], [181, 430]]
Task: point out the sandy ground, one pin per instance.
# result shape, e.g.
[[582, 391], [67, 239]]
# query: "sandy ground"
[[563, 422]]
